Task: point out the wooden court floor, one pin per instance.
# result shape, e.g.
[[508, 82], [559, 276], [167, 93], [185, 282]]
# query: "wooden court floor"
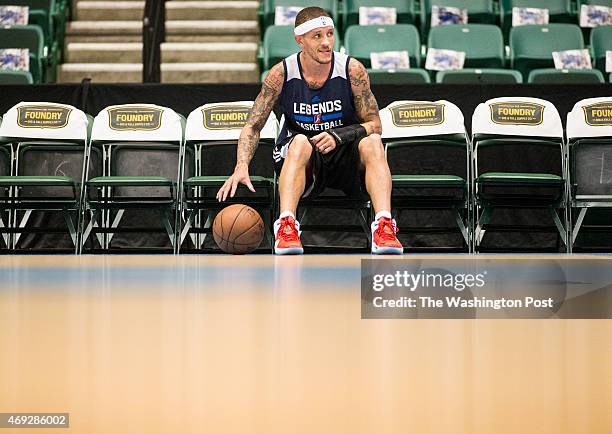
[[262, 344]]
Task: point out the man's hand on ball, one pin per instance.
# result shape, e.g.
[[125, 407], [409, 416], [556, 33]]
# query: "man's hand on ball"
[[323, 142]]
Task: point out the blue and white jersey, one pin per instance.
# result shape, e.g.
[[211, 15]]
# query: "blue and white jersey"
[[312, 111]]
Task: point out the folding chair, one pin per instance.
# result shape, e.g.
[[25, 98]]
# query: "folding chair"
[[211, 137], [589, 136], [142, 148], [6, 169], [47, 141], [518, 164], [428, 152]]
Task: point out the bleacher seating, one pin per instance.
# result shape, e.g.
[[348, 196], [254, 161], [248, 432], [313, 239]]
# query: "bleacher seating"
[[565, 76], [479, 76], [559, 11], [268, 8], [15, 77], [404, 9], [400, 76], [483, 44], [30, 37], [479, 11], [360, 41], [531, 47], [601, 41]]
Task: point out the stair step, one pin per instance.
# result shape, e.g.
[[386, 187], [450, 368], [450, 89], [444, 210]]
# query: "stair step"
[[171, 72], [209, 72], [212, 38], [102, 38], [211, 10], [212, 27], [109, 10], [208, 52], [100, 72], [110, 28], [100, 52], [117, 10]]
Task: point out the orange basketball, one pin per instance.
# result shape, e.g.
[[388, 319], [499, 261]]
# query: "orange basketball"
[[238, 229]]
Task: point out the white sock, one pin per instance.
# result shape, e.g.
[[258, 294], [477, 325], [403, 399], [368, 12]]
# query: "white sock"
[[286, 214], [381, 214]]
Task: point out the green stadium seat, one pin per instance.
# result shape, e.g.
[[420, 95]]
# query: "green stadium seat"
[[531, 47], [559, 11], [405, 10], [479, 11], [479, 76], [211, 156], [429, 160], [268, 9], [566, 76], [601, 41], [502, 129], [400, 76], [279, 42], [143, 149], [483, 44], [30, 37], [360, 41], [589, 140], [48, 141], [15, 77], [51, 17]]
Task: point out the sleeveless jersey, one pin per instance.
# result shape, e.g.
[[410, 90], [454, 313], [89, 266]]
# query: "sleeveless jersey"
[[312, 111]]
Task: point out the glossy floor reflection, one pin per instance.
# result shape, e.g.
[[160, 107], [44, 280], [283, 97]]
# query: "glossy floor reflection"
[[261, 344]]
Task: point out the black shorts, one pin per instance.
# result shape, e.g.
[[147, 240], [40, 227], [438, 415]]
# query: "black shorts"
[[340, 169]]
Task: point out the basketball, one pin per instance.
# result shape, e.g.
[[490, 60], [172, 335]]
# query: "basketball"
[[238, 229]]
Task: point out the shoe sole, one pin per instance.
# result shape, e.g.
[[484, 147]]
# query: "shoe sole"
[[289, 251], [387, 250]]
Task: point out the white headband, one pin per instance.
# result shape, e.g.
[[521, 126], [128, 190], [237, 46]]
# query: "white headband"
[[315, 23]]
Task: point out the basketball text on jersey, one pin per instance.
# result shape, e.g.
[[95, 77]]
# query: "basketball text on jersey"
[[318, 116]]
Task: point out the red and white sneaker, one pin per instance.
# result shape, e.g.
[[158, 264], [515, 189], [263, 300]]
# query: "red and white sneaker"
[[287, 236], [384, 240]]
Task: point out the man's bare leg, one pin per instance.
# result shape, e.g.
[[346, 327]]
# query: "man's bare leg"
[[292, 180], [377, 173]]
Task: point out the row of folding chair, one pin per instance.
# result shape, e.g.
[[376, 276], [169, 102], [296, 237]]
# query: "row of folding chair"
[[530, 48], [517, 159], [131, 157]]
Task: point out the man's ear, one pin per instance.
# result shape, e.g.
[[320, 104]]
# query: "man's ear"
[[299, 40]]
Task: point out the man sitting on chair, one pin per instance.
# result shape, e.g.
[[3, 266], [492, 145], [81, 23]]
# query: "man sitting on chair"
[[330, 138]]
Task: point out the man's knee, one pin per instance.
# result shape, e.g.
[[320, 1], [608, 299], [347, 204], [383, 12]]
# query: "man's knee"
[[371, 147], [300, 149]]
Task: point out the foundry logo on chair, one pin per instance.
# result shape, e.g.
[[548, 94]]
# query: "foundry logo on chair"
[[42, 116], [224, 117], [134, 118]]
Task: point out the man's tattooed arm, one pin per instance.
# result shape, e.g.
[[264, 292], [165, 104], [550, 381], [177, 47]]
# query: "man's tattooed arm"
[[249, 136], [366, 106]]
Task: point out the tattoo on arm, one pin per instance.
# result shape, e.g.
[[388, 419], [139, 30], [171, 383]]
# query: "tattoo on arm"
[[365, 102], [249, 137]]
